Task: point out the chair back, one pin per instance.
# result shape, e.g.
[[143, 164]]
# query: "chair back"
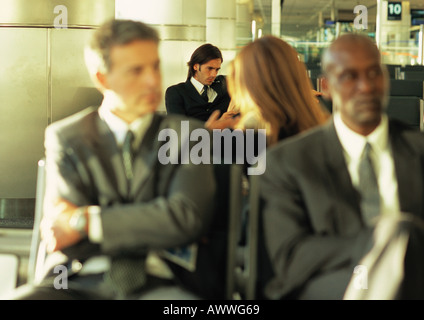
[[408, 110], [38, 252]]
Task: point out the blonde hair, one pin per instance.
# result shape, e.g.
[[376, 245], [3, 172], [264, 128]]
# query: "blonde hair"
[[271, 89]]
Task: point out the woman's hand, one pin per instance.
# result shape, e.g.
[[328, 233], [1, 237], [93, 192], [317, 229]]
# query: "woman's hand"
[[227, 120]]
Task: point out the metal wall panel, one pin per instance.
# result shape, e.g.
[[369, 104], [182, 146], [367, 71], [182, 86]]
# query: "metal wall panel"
[[48, 13], [71, 86], [23, 108], [43, 78]]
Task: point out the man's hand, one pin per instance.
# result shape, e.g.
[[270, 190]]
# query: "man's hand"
[[55, 229], [228, 120]]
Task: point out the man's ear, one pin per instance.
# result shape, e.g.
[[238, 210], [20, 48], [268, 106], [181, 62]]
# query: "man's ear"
[[325, 88], [196, 67], [102, 80]]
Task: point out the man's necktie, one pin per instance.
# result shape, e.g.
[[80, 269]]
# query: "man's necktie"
[[205, 93], [368, 188], [127, 273], [127, 155]]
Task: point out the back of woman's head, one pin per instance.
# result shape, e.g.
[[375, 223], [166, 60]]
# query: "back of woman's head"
[[271, 87]]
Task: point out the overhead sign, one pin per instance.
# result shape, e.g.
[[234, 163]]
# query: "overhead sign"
[[394, 10]]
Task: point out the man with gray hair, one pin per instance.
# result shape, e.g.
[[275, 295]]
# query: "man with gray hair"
[[111, 207], [344, 202]]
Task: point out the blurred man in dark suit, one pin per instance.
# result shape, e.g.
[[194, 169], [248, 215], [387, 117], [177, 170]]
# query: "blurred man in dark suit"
[[347, 196], [112, 206]]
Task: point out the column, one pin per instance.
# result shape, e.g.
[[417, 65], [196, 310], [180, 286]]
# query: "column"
[[182, 28], [221, 28], [244, 10], [421, 45], [333, 11], [276, 18]]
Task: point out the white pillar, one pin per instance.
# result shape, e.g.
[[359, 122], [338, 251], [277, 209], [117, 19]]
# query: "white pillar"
[[320, 20], [378, 23], [221, 28], [333, 11], [182, 28], [338, 29], [243, 23], [276, 18], [421, 45]]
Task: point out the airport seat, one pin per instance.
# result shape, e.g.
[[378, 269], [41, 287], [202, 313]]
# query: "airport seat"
[[38, 251], [326, 103], [412, 75], [313, 65], [217, 252], [412, 68], [17, 213], [314, 73], [226, 268], [15, 249], [242, 278], [234, 264], [413, 88], [408, 110], [209, 280], [394, 70], [9, 273], [314, 83], [14, 252]]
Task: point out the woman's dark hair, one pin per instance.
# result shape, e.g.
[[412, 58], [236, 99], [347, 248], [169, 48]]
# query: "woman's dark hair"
[[202, 55]]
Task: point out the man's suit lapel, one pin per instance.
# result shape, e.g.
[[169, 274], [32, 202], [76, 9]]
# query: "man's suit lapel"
[[146, 156], [218, 85], [109, 155], [337, 169], [408, 169], [192, 92]]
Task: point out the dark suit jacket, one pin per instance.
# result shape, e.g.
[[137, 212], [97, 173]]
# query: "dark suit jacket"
[[184, 99], [164, 207], [312, 216]]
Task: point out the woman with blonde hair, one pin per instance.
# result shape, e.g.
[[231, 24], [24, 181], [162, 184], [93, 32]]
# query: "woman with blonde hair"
[[270, 88]]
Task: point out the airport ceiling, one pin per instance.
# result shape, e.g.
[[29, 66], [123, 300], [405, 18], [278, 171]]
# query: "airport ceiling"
[[302, 16]]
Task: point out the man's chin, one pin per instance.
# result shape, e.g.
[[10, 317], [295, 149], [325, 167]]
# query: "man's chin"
[[150, 102], [370, 110], [146, 108], [152, 107], [371, 119]]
